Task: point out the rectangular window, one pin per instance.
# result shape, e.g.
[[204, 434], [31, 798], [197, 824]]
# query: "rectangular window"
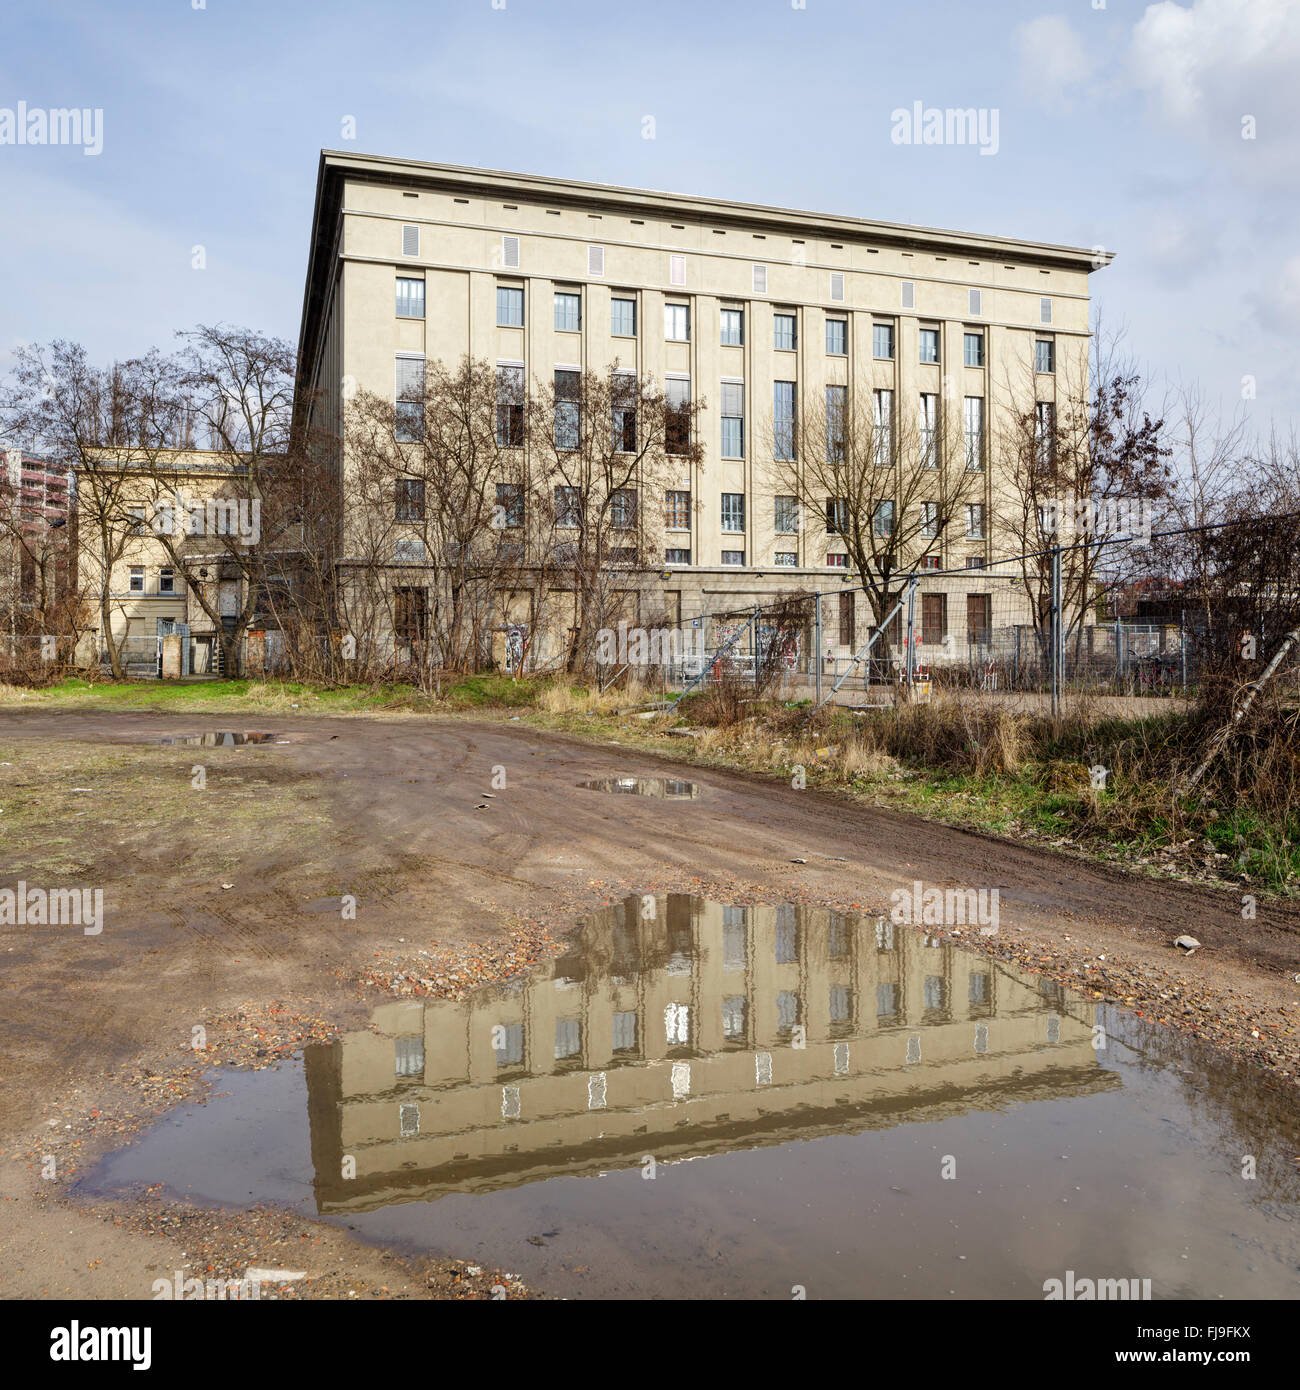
[[624, 1032], [1045, 433], [929, 518], [975, 562], [733, 420], [783, 444], [623, 412], [568, 1038], [929, 345], [677, 510], [677, 557], [883, 433], [882, 522], [783, 334], [733, 511], [568, 505], [835, 407], [930, 562], [410, 499], [510, 407], [137, 520], [837, 515], [837, 562], [568, 312], [974, 407], [568, 409], [623, 508], [837, 337], [848, 626], [929, 427], [973, 349], [408, 552], [785, 516], [409, 422], [510, 306], [677, 323], [676, 270], [166, 580], [786, 559], [934, 619], [975, 520], [733, 557], [1045, 355], [979, 618], [510, 503], [136, 581], [410, 298], [622, 318], [677, 422], [410, 618], [882, 340], [733, 327]]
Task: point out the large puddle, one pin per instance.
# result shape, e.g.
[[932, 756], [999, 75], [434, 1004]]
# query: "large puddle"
[[669, 788], [705, 1100], [219, 739]]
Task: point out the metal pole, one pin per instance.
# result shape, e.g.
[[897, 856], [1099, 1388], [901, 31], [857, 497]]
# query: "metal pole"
[[1182, 642], [756, 650], [817, 648], [911, 631], [1055, 632]]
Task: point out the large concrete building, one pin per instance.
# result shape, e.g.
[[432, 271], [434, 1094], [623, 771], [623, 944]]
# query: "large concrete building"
[[752, 309]]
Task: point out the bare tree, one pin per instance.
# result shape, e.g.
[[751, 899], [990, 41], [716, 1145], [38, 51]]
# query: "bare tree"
[[602, 448], [111, 424], [889, 486]]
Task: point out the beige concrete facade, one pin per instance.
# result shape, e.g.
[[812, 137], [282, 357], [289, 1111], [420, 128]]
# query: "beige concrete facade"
[[465, 233], [702, 1029]]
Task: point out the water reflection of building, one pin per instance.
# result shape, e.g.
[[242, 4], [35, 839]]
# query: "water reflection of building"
[[683, 1027]]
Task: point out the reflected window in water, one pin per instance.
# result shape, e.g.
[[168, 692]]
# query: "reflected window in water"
[[884, 935], [677, 1024], [734, 1009], [841, 1004], [838, 933], [408, 1120], [568, 1038], [978, 990], [624, 1030], [787, 936], [409, 1058], [887, 1001], [787, 1011], [509, 1038], [735, 946]]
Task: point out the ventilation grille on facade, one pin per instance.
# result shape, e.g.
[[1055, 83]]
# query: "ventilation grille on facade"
[[975, 302], [909, 295], [510, 252], [595, 260], [760, 279], [837, 285], [410, 241], [676, 270]]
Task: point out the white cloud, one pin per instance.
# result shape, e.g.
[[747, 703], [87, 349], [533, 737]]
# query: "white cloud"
[[1052, 57], [1210, 64]]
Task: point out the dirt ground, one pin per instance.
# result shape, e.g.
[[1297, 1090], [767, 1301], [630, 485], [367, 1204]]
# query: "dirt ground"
[[222, 913]]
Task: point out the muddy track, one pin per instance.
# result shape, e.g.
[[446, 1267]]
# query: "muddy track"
[[431, 860]]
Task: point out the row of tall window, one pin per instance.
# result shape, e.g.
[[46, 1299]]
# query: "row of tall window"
[[677, 326]]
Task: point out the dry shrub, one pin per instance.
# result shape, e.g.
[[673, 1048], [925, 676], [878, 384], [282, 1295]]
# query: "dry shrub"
[[962, 737]]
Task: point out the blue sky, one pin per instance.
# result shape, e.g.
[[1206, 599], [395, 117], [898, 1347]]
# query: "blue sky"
[[1118, 126]]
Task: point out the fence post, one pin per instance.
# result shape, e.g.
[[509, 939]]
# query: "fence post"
[[911, 630], [1119, 654], [756, 651], [1055, 632], [817, 647]]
